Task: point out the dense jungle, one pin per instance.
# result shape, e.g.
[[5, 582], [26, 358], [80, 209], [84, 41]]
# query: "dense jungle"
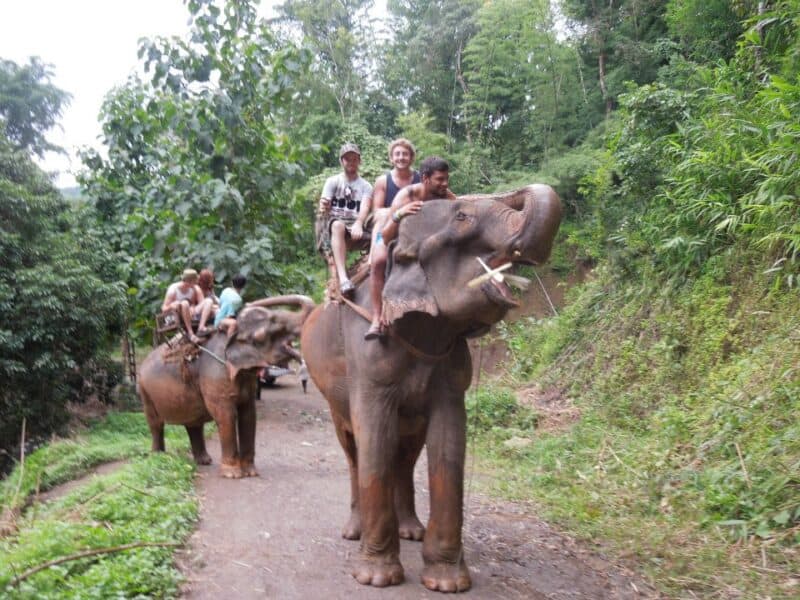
[[651, 410]]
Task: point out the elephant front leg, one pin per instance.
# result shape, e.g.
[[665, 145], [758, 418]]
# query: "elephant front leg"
[[376, 445], [247, 437], [410, 527], [225, 417], [198, 442], [352, 529], [442, 550], [154, 422]]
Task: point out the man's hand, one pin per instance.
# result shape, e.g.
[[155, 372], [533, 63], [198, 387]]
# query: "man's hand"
[[410, 209], [356, 231], [324, 204]]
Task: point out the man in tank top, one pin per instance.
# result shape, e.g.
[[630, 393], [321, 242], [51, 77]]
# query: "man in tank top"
[[401, 155], [183, 296], [435, 176], [387, 186]]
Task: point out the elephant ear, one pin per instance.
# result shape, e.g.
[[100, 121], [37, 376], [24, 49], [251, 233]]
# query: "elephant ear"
[[407, 288]]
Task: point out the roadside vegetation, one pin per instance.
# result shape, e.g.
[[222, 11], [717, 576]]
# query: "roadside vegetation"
[[114, 535], [657, 413], [661, 425]]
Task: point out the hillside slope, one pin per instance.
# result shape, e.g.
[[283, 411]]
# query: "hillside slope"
[[679, 444]]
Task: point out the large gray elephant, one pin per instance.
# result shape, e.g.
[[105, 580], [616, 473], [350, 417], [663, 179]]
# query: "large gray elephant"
[[390, 397], [221, 382]]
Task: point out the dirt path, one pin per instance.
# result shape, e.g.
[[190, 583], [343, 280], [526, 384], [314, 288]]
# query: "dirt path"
[[278, 535]]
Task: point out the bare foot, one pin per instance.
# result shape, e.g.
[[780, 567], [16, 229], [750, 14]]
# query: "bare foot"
[[411, 528], [378, 572], [446, 577], [231, 471], [352, 530]]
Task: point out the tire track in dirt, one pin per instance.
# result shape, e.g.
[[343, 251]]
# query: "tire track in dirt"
[[278, 535]]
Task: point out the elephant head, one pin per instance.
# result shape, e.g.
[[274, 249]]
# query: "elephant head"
[[263, 336], [435, 254]]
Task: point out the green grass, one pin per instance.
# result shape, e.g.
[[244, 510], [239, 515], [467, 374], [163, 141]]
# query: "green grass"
[[149, 499], [686, 457]]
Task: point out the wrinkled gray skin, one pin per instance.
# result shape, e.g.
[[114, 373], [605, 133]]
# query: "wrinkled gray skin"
[[223, 391], [387, 400]]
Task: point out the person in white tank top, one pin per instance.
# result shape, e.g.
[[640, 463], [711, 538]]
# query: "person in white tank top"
[[182, 296]]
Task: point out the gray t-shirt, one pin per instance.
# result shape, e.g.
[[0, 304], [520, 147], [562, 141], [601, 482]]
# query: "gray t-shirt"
[[346, 196]]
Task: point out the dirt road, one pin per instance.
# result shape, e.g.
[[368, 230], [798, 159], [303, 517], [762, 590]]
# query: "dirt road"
[[278, 535]]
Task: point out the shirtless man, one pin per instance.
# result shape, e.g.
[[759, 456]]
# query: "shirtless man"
[[435, 174], [182, 296]]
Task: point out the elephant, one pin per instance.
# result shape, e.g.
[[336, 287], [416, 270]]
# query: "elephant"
[[221, 382], [390, 397]]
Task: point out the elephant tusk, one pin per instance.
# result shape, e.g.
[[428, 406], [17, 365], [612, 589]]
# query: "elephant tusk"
[[490, 273], [519, 282]]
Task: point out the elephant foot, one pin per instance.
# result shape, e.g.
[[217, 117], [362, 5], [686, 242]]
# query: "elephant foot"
[[231, 471], [378, 572], [446, 577], [352, 530], [411, 528], [249, 470], [202, 459]]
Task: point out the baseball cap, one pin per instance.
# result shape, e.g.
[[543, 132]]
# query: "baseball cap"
[[349, 147]]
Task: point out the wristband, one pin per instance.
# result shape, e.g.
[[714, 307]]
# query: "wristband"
[[396, 216]]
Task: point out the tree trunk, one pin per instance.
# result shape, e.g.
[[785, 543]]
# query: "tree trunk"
[[463, 84], [601, 66]]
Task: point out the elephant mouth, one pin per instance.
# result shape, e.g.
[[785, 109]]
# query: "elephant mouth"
[[499, 293]]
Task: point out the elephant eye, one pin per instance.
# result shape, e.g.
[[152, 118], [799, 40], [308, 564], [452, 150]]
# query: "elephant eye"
[[461, 216]]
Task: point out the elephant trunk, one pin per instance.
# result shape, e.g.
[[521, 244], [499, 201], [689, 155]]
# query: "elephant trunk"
[[534, 230], [305, 303]]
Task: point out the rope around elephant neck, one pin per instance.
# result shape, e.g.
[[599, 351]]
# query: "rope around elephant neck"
[[207, 351]]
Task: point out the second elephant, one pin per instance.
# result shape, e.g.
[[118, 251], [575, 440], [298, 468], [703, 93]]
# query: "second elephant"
[[220, 384]]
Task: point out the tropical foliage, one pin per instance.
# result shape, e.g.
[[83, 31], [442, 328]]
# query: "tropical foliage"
[[60, 300], [197, 174]]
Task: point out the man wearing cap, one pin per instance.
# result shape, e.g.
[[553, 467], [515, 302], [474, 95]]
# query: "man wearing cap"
[[344, 207], [182, 296]]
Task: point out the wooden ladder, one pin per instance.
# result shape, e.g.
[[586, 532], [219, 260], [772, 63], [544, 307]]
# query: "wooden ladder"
[[129, 352]]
